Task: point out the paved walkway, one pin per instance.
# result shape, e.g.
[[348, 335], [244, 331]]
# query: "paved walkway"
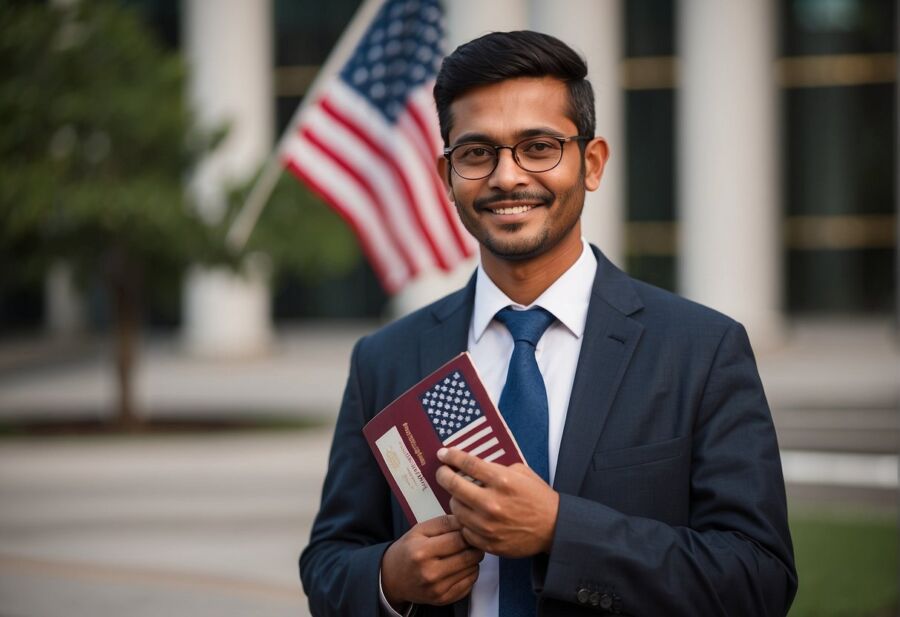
[[211, 524], [202, 525]]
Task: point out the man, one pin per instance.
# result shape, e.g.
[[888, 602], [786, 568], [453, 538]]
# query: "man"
[[654, 485]]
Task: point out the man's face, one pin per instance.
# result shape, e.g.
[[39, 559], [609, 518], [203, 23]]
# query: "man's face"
[[515, 214]]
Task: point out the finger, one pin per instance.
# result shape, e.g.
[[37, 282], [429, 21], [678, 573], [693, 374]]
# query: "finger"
[[468, 464], [438, 525], [468, 517], [470, 572], [477, 540], [462, 561], [459, 587], [447, 544], [458, 486]]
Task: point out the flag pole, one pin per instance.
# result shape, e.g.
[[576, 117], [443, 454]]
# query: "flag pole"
[[243, 224]]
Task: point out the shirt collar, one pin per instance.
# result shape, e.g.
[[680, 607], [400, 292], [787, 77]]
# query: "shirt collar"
[[567, 298]]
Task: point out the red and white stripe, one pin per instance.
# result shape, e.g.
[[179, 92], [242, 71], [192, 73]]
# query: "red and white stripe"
[[382, 179], [477, 439]]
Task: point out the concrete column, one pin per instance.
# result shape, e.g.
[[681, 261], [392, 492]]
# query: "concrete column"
[[228, 45], [594, 29], [64, 303], [469, 19], [465, 20], [727, 162], [229, 311]]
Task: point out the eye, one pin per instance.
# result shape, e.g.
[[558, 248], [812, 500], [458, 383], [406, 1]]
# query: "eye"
[[539, 147], [474, 152]]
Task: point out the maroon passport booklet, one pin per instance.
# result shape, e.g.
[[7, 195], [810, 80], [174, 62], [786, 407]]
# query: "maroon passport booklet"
[[448, 408]]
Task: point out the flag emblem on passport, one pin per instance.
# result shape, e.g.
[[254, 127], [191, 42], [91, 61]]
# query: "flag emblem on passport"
[[457, 418]]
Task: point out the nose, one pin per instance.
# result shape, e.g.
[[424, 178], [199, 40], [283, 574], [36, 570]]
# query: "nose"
[[507, 175]]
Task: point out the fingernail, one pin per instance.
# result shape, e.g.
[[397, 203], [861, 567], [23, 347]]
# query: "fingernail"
[[442, 453]]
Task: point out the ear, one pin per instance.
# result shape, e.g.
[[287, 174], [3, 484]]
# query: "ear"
[[596, 153], [443, 169]]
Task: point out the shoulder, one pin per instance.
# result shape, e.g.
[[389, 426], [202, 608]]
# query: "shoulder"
[[667, 308], [687, 334], [670, 323], [655, 308]]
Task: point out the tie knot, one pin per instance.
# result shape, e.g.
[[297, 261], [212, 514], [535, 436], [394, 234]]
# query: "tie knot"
[[526, 326]]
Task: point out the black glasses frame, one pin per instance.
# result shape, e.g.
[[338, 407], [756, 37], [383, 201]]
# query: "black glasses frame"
[[448, 153]]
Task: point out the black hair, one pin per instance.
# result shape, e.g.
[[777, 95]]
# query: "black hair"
[[499, 56]]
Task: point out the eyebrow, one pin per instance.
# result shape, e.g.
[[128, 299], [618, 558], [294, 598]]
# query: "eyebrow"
[[474, 137]]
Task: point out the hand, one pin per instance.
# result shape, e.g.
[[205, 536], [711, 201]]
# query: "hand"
[[511, 512], [430, 564]]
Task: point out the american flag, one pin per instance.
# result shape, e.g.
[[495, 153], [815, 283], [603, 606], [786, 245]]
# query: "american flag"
[[369, 141], [457, 418]]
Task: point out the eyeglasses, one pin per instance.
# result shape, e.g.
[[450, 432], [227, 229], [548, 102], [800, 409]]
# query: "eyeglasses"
[[474, 161]]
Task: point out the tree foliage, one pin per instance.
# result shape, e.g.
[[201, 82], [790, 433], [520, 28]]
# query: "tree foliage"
[[96, 139]]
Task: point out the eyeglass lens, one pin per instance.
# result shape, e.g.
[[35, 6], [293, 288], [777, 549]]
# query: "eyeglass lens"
[[478, 160]]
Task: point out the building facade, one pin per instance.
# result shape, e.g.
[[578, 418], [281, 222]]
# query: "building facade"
[[754, 159]]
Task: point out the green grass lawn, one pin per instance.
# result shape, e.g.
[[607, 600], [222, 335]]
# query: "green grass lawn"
[[847, 565]]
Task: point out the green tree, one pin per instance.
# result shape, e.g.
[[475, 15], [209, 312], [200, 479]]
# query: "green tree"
[[96, 140]]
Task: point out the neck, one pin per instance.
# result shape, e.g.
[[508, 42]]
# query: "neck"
[[524, 281]]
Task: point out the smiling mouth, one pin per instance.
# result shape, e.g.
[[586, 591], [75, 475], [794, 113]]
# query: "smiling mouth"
[[513, 209]]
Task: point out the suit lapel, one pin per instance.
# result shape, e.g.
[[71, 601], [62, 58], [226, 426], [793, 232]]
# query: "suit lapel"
[[610, 337], [449, 336]]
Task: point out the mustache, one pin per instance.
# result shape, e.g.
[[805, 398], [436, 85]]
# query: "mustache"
[[544, 198]]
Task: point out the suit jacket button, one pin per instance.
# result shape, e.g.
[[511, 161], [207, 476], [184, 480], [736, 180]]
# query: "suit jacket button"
[[583, 595], [594, 599], [606, 602]]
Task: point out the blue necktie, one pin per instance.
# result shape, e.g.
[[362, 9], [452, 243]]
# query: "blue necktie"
[[523, 404]]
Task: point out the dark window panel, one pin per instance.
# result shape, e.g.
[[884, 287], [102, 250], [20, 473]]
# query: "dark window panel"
[[650, 138], [305, 32], [353, 296], [285, 106], [651, 167], [839, 150], [840, 282], [656, 270], [162, 16], [649, 27], [837, 26]]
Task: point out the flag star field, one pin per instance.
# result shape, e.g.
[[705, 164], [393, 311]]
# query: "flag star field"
[[400, 52], [458, 419]]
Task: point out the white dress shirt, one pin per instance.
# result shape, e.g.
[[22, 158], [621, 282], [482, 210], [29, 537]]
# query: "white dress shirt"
[[491, 346]]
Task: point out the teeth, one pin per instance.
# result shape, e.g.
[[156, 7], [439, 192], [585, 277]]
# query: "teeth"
[[513, 210]]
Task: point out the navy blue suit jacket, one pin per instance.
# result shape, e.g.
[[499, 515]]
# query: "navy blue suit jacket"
[[671, 491]]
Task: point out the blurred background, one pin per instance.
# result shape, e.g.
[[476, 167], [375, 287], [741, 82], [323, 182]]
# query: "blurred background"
[[166, 403]]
